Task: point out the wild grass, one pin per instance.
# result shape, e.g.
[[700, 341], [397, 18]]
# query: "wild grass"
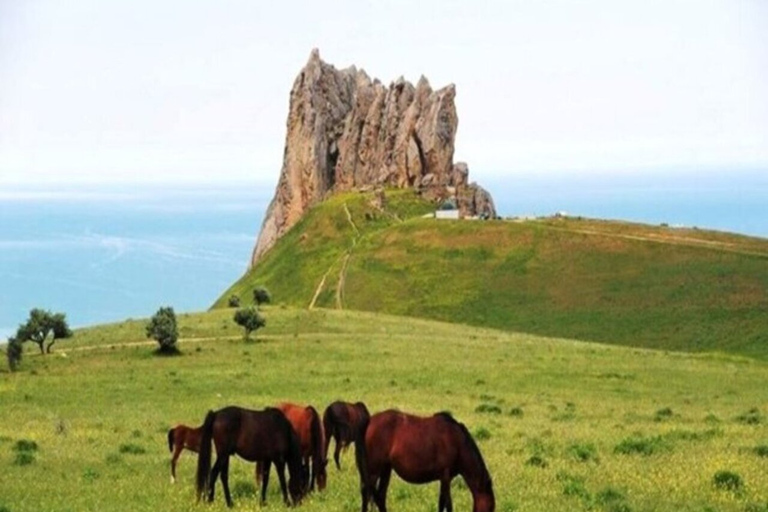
[[117, 401]]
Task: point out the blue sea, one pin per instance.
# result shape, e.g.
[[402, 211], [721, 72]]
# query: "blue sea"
[[107, 253]]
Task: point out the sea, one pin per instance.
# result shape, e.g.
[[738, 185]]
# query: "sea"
[[105, 253]]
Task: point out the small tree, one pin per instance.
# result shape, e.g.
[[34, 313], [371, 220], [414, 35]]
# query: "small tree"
[[40, 325], [261, 296], [13, 352], [234, 301], [249, 319], [162, 327]]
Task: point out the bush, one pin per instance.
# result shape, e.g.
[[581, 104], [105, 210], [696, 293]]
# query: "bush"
[[234, 301], [162, 327], [641, 445], [249, 319], [261, 296], [13, 352], [761, 450], [728, 481], [482, 434], [663, 414], [132, 449], [583, 452], [537, 461], [751, 417], [488, 408], [516, 412]]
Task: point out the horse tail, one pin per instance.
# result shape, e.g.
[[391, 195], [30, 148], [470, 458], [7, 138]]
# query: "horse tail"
[[361, 456], [328, 429], [171, 433], [204, 458]]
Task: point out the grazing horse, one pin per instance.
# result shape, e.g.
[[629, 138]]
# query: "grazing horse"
[[180, 437], [255, 436], [306, 422], [420, 450], [342, 421]]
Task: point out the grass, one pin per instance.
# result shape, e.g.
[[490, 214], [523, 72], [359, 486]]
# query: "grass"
[[612, 282], [117, 401]]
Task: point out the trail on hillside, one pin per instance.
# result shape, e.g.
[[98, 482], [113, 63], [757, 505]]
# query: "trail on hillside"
[[319, 288], [343, 270], [666, 239]]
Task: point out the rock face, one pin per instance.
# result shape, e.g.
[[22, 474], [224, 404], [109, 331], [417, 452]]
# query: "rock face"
[[346, 131]]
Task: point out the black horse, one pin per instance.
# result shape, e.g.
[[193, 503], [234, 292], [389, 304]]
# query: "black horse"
[[342, 421], [264, 436]]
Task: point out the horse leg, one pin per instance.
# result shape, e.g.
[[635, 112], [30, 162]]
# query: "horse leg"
[[259, 471], [308, 471], [381, 491], [214, 475], [264, 479], [225, 481], [445, 502], [280, 468], [176, 454], [337, 452]]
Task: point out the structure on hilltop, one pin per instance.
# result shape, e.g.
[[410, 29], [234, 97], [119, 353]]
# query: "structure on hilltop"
[[346, 131]]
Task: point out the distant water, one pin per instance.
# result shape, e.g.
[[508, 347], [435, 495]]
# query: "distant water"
[[103, 255], [106, 254]]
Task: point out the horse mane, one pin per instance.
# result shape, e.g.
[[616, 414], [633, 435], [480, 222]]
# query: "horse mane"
[[469, 443]]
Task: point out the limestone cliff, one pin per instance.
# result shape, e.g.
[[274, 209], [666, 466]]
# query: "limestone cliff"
[[346, 131]]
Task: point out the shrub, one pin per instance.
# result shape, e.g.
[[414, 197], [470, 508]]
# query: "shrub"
[[537, 461], [751, 417], [13, 352], [583, 452], [482, 433], [488, 408], [641, 445], [761, 450], [516, 412], [132, 449], [234, 301], [663, 414], [25, 445], [162, 327], [249, 319], [727, 480], [261, 296], [24, 458]]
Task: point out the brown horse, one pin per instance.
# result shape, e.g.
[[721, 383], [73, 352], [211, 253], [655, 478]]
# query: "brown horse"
[[420, 450], [180, 437], [342, 421], [255, 436], [306, 423]]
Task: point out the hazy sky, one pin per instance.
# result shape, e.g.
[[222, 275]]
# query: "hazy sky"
[[138, 90]]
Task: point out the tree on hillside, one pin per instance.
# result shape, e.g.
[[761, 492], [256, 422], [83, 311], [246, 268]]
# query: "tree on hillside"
[[234, 301], [249, 319], [13, 352], [40, 325], [162, 327], [261, 296]]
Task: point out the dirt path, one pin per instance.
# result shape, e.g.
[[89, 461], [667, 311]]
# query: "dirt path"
[[668, 240]]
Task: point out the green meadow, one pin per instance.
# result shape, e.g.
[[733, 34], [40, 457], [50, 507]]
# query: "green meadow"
[[608, 281], [562, 425]]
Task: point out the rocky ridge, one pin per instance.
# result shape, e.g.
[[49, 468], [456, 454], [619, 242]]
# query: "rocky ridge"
[[346, 131]]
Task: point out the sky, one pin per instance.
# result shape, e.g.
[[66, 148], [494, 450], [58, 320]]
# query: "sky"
[[121, 92]]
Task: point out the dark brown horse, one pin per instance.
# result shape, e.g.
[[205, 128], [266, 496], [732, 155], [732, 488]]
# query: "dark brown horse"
[[255, 436], [342, 421], [180, 437], [420, 450], [306, 422]]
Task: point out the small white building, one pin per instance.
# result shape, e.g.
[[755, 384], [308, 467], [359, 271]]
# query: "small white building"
[[447, 210]]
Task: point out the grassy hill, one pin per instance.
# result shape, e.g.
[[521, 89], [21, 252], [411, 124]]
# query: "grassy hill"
[[562, 425], [613, 282]]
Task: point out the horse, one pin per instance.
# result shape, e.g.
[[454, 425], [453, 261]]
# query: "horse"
[[265, 436], [306, 422], [342, 421], [180, 437], [420, 450]]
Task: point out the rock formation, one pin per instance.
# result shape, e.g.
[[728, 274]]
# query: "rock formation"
[[346, 131]]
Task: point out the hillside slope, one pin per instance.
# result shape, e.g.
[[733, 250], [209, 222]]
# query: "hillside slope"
[[612, 282]]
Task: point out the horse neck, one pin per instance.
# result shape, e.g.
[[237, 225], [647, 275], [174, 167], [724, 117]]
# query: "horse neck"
[[478, 479]]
